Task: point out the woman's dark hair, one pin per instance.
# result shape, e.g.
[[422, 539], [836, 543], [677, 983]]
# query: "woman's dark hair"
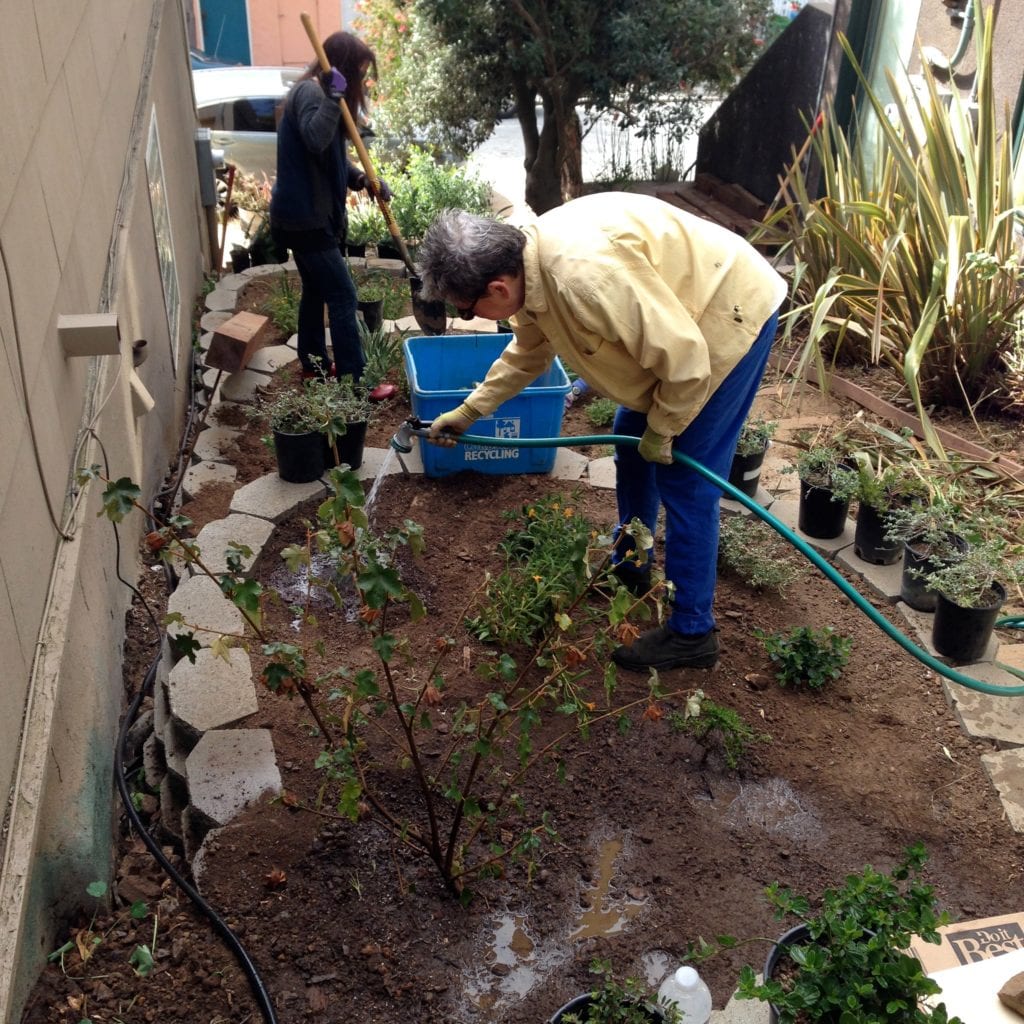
[[354, 59], [462, 252]]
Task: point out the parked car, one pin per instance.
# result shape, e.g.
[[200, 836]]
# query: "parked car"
[[239, 104], [198, 59]]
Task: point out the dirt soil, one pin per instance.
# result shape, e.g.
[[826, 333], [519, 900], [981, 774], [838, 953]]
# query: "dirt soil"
[[658, 841]]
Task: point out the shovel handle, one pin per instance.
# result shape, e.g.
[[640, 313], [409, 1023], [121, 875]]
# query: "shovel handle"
[[364, 157]]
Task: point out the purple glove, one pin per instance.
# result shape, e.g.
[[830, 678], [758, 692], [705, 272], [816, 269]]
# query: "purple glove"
[[334, 84], [385, 192]]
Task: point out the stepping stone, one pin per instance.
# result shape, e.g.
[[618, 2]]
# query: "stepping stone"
[[601, 472], [1006, 770], [569, 465], [272, 359], [214, 441], [211, 693], [214, 538], [221, 299], [228, 770], [212, 319], [202, 474], [201, 602], [271, 498]]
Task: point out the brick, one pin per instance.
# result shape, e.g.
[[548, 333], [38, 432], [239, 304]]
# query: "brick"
[[235, 341]]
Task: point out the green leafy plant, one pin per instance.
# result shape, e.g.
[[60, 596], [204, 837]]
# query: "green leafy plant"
[[713, 724], [382, 350], [626, 1002], [806, 656], [969, 578], [424, 187], [755, 435], [890, 485], [910, 260], [282, 304], [372, 287], [326, 405], [601, 411], [827, 466], [932, 529], [757, 555], [853, 964], [366, 224]]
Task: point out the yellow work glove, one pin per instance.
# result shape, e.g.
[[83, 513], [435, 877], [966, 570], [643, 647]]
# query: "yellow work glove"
[[457, 421], [656, 447]]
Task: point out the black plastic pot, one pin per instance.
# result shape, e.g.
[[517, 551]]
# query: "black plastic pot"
[[962, 634], [745, 472], [432, 317], [387, 251], [914, 590], [300, 457], [869, 543], [580, 1004], [798, 936], [820, 515], [373, 312], [355, 251], [350, 447], [240, 260]]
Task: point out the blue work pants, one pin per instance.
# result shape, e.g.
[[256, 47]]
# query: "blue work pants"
[[326, 281], [691, 502]]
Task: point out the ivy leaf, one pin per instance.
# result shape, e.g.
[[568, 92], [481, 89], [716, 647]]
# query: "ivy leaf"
[[385, 646], [119, 499], [142, 960], [221, 647], [184, 645], [378, 583], [295, 556]]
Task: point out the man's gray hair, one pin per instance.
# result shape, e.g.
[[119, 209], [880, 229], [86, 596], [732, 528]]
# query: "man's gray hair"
[[462, 252]]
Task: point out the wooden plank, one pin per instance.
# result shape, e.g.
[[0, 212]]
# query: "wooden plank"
[[712, 209], [235, 341]]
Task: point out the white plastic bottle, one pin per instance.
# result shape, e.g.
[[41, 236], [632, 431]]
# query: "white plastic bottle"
[[686, 989]]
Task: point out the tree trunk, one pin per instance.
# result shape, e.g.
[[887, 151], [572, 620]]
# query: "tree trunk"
[[554, 167]]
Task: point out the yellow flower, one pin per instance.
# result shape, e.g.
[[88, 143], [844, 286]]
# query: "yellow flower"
[[569, 513], [531, 513], [538, 579]]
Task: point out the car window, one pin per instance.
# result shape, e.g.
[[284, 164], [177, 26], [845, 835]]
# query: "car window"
[[254, 114]]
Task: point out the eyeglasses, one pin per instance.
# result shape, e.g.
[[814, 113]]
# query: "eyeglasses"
[[468, 312]]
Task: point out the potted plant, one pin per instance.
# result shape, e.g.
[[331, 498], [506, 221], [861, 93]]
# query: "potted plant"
[[371, 290], [847, 962], [880, 490], [930, 538], [751, 446], [970, 589], [828, 484], [610, 1002], [321, 423]]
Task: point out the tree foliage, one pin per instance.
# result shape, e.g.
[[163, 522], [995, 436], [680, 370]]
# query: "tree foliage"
[[646, 62]]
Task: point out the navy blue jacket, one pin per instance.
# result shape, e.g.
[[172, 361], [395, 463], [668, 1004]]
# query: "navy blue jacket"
[[307, 204]]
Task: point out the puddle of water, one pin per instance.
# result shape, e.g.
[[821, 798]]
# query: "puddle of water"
[[294, 587], [606, 916], [511, 971]]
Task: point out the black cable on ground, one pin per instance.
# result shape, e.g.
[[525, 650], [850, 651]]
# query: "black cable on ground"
[[255, 981]]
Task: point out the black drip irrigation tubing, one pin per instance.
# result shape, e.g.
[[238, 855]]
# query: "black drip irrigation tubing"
[[258, 988], [1013, 622]]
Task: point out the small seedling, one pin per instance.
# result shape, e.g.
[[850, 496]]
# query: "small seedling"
[[601, 412], [712, 724], [805, 656], [612, 1002]]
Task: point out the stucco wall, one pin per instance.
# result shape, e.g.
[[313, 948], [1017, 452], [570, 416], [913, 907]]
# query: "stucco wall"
[[83, 81]]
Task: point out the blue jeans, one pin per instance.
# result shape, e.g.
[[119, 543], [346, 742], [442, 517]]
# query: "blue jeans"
[[326, 281], [691, 502]]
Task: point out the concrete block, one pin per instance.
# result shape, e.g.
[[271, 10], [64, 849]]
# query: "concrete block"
[[763, 498], [233, 282], [273, 499], [241, 387], [202, 474], [177, 746], [201, 603], [1006, 770], [213, 443], [231, 769], [173, 801], [569, 465], [153, 764], [272, 359], [213, 318], [212, 692], [601, 473], [988, 716], [221, 300], [882, 580], [214, 538], [787, 511]]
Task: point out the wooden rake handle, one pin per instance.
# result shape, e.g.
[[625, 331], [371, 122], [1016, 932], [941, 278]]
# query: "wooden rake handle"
[[364, 157]]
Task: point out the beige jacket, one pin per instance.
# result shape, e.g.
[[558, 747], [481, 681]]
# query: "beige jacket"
[[650, 305]]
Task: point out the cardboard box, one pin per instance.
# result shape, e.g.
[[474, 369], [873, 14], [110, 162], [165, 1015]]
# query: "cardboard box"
[[971, 992], [969, 942], [235, 341]]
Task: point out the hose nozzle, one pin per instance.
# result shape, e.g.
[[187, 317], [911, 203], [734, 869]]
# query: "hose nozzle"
[[402, 441]]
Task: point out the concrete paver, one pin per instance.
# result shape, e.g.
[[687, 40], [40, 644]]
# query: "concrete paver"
[[203, 474], [214, 442], [270, 360], [271, 498], [214, 538], [1006, 770], [212, 692], [228, 770], [201, 603]]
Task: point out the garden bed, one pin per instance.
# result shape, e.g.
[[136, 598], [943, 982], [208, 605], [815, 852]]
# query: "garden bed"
[[658, 841]]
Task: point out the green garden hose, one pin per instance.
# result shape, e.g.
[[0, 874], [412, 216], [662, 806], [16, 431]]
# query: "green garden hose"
[[1013, 622]]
